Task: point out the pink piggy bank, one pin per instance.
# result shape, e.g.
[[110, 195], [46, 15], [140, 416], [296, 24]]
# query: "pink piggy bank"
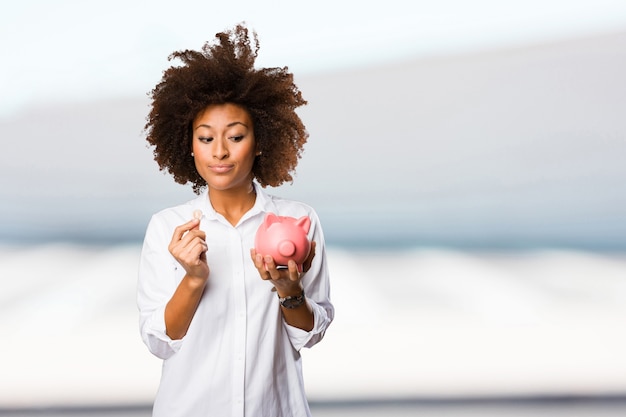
[[284, 238]]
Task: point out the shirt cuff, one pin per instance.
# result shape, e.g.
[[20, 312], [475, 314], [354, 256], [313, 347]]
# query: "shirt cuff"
[[301, 338], [156, 338]]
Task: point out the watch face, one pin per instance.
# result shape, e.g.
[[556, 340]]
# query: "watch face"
[[292, 302], [288, 303]]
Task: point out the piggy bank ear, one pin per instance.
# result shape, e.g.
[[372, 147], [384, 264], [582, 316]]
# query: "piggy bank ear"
[[270, 218], [305, 223]]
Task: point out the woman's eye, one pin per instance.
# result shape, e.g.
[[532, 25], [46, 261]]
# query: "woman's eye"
[[237, 138], [205, 139]]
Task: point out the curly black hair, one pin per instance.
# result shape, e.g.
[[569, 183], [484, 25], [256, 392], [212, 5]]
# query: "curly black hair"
[[223, 72]]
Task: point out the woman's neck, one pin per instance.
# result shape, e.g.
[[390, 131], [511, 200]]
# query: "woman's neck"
[[233, 203]]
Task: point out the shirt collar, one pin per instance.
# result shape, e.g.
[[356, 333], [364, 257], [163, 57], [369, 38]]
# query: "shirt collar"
[[262, 204]]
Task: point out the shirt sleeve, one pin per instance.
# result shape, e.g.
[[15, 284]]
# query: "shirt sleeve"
[[316, 284], [156, 284]]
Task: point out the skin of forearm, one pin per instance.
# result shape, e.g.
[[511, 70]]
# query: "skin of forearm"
[[300, 317], [181, 308]]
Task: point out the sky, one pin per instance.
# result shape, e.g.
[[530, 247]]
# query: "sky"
[[74, 50]]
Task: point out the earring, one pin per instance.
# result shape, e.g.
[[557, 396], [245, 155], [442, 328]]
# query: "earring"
[[259, 153], [192, 154]]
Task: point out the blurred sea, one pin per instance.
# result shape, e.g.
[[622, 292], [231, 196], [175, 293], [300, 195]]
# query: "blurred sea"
[[419, 331]]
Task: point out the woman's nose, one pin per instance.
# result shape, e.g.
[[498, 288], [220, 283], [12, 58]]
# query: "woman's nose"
[[220, 151]]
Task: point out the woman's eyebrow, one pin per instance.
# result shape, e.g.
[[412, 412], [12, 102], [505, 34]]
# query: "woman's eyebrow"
[[228, 125]]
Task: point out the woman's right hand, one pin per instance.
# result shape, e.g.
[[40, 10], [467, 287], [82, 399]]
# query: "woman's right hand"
[[189, 247]]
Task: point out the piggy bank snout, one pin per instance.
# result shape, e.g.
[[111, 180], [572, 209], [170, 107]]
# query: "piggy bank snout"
[[286, 248]]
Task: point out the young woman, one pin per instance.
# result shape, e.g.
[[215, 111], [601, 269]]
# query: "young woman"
[[227, 322]]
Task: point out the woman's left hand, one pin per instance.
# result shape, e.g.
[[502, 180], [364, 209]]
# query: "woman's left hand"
[[286, 281]]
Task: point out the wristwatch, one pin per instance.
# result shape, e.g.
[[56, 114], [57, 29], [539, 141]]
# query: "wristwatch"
[[292, 301]]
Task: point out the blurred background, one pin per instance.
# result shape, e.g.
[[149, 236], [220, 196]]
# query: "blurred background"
[[466, 160]]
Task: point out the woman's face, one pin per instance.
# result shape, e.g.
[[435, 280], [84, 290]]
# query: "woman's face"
[[224, 146]]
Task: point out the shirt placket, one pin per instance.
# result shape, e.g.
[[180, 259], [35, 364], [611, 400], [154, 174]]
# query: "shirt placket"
[[239, 348]]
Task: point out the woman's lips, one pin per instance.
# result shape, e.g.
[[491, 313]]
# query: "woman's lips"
[[221, 169]]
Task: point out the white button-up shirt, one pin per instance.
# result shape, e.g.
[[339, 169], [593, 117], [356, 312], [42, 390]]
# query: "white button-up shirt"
[[239, 357]]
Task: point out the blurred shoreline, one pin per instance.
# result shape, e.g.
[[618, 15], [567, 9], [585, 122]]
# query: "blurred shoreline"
[[579, 405]]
